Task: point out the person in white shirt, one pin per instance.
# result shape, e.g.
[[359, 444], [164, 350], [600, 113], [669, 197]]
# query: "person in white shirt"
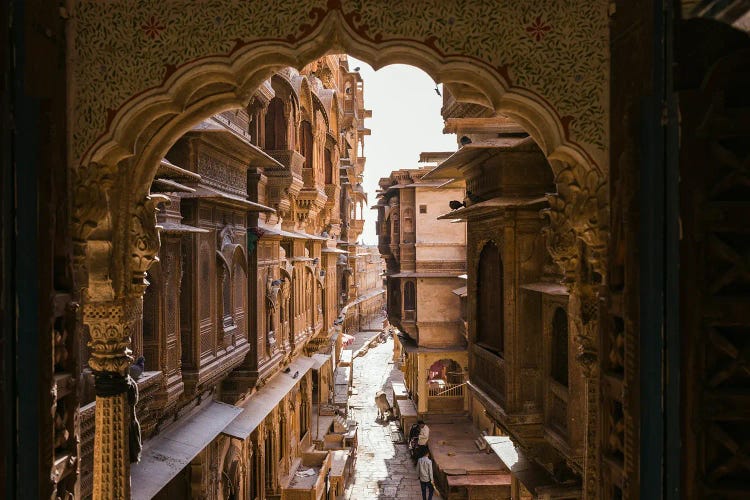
[[424, 433], [424, 436], [424, 469]]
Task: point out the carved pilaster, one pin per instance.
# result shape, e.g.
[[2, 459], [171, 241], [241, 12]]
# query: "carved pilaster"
[[111, 451], [576, 239], [110, 325], [584, 318]]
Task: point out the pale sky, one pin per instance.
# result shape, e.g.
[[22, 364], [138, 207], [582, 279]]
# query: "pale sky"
[[405, 121]]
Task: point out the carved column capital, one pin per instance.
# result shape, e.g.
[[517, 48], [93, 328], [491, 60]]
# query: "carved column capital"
[[110, 324]]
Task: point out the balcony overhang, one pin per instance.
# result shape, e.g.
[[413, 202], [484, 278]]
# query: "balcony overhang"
[[533, 476], [231, 136], [475, 152], [210, 194], [497, 204]]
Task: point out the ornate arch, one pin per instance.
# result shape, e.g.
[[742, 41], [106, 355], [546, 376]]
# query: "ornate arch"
[[302, 87], [127, 112], [144, 127], [330, 101]]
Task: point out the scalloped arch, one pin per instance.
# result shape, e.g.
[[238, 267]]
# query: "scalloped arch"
[[211, 84], [140, 131]]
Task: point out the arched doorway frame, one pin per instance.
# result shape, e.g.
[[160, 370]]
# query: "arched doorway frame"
[[114, 227]]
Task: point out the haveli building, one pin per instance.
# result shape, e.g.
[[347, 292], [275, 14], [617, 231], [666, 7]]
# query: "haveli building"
[[527, 396], [259, 211], [639, 110], [425, 261]]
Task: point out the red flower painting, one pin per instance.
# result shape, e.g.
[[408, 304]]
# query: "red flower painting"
[[538, 28], [153, 28]]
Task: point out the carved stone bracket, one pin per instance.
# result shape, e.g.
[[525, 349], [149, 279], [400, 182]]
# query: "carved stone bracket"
[[90, 199], [145, 240], [91, 212], [578, 212]]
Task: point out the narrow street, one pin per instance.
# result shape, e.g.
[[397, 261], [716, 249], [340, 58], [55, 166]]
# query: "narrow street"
[[383, 469]]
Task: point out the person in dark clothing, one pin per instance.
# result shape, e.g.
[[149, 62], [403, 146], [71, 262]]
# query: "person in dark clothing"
[[413, 439]]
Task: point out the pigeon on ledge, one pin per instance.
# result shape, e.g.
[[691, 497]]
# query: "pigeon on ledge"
[[296, 374], [137, 368]]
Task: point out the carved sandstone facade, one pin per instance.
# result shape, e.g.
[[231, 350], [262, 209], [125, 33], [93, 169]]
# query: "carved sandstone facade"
[[425, 259]]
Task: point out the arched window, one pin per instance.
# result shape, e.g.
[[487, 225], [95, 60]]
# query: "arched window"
[[239, 285], [225, 279], [329, 167], [276, 128], [490, 299], [394, 297], [559, 345], [306, 143], [304, 418], [309, 298], [410, 296]]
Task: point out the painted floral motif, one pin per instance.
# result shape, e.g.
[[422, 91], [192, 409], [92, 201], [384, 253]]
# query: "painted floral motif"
[[538, 28], [152, 28], [567, 66]]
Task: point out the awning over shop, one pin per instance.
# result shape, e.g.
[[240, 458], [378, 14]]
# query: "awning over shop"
[[319, 360], [532, 475], [164, 456], [260, 404]]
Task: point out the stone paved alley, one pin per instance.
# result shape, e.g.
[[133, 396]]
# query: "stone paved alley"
[[384, 468]]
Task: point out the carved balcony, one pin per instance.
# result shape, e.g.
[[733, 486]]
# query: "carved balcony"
[[284, 184], [488, 373], [333, 192], [356, 226], [309, 203]]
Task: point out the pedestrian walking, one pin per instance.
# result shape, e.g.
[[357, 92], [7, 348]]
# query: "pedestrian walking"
[[424, 436], [426, 478]]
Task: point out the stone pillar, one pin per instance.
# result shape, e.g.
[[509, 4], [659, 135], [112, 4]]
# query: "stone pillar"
[[584, 309], [110, 325]]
